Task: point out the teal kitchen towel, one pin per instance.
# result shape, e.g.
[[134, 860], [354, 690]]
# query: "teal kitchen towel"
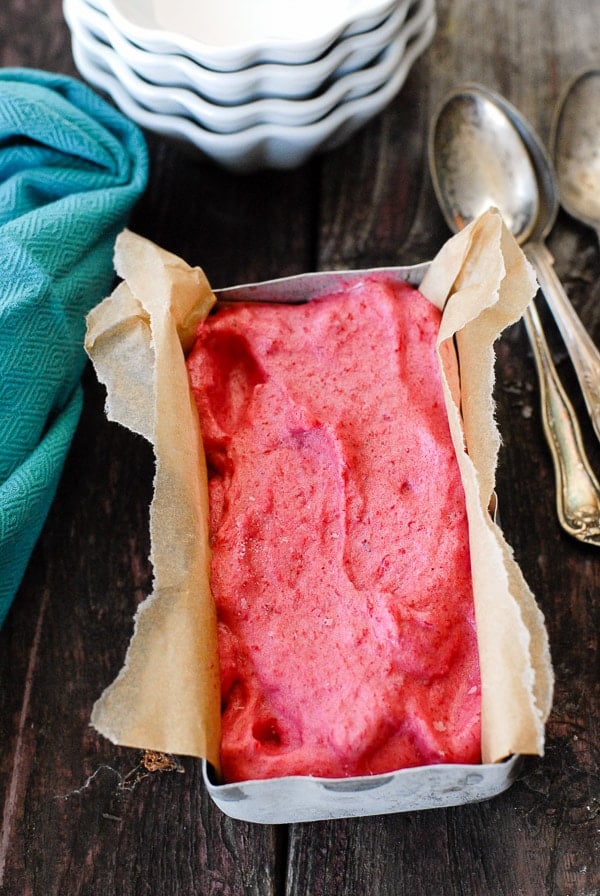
[[71, 169]]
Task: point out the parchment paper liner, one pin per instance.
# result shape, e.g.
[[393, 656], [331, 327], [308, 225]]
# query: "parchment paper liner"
[[166, 696]]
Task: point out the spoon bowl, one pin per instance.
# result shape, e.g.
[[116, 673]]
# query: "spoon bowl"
[[479, 158], [576, 147]]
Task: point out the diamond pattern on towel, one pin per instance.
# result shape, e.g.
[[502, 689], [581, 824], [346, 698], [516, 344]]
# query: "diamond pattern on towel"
[[71, 169]]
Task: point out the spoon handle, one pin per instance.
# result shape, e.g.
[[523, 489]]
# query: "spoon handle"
[[577, 490], [582, 350]]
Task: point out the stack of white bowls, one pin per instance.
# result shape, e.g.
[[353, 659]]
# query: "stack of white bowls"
[[250, 83]]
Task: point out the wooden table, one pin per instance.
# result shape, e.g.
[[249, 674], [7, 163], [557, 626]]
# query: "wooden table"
[[80, 816]]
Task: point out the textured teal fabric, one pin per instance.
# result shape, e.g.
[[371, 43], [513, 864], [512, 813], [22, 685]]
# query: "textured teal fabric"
[[71, 169]]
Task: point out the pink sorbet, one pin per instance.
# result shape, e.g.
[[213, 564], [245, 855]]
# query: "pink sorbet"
[[340, 557]]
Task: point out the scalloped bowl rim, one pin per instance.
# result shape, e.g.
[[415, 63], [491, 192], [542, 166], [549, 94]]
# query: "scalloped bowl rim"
[[281, 111], [256, 81], [128, 17]]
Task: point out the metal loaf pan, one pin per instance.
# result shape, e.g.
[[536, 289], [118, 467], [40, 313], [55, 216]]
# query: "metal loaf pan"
[[296, 799], [304, 798]]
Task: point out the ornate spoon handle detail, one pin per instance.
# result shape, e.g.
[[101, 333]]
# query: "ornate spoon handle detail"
[[577, 490], [582, 349]]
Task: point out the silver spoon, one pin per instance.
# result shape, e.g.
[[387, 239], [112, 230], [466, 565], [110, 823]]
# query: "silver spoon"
[[483, 154], [576, 147], [575, 142]]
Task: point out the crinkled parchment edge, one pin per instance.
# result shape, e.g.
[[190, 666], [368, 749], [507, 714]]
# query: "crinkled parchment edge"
[[166, 696]]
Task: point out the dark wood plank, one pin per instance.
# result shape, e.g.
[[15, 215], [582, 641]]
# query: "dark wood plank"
[[239, 228], [469, 849], [374, 188]]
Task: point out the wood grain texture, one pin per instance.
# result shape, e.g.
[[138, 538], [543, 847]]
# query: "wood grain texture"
[[81, 817]]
